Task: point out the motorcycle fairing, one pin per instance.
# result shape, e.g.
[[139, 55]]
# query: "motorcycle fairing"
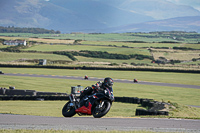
[[85, 110]]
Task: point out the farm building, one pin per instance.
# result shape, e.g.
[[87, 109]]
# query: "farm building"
[[15, 42]]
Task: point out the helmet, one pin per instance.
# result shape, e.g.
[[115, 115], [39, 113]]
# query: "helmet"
[[108, 82]]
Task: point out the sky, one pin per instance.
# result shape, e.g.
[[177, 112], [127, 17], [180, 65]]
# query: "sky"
[[194, 3]]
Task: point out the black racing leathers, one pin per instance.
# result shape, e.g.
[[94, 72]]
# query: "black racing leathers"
[[91, 90]]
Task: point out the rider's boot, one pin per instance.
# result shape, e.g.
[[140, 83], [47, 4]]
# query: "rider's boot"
[[83, 101]]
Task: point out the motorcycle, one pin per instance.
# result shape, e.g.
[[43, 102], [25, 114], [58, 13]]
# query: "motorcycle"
[[97, 104], [86, 77], [135, 81]]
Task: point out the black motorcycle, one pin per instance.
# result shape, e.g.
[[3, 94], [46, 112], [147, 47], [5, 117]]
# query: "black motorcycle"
[[97, 104]]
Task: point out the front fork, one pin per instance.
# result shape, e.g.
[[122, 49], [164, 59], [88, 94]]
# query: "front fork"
[[73, 100], [101, 103]]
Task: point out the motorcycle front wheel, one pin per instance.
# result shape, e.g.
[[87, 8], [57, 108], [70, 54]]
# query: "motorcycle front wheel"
[[101, 108], [68, 111]]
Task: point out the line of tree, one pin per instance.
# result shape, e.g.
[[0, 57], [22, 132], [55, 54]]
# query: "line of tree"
[[141, 57], [101, 54], [12, 29], [68, 54], [184, 48]]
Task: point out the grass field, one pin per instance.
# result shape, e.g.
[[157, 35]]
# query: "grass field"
[[194, 46], [105, 42], [88, 60], [180, 95], [3, 46], [177, 55], [89, 37], [9, 57], [90, 48], [39, 40], [153, 37], [164, 77], [131, 44]]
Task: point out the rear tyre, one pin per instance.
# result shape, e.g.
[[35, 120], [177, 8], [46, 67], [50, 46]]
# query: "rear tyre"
[[68, 111], [101, 110]]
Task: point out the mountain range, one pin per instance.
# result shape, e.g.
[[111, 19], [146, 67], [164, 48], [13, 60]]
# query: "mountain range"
[[104, 16]]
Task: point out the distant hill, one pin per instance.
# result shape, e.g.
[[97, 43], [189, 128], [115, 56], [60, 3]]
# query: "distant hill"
[[157, 9], [91, 15], [191, 23]]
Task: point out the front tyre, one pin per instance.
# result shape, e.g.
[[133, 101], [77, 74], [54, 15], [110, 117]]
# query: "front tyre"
[[101, 109], [68, 110]]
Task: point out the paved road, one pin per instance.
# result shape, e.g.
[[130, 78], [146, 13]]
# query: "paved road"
[[101, 79], [8, 121]]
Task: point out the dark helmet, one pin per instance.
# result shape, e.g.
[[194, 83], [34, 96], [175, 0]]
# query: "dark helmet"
[[108, 82]]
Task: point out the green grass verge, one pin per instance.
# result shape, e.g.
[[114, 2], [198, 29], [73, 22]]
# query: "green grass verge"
[[54, 108], [118, 110]]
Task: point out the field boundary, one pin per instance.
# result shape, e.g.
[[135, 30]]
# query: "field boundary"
[[103, 68]]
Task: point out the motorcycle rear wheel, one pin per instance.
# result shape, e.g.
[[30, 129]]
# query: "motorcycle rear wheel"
[[99, 112], [68, 111]]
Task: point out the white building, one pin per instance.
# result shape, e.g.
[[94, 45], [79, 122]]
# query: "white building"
[[15, 42]]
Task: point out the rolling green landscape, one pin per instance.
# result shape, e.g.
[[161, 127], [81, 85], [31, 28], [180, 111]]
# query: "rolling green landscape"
[[168, 50]]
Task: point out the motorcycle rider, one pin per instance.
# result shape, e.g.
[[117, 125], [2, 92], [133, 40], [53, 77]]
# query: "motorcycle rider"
[[99, 86], [86, 77], [135, 80]]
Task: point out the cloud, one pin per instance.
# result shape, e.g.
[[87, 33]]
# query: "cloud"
[[193, 3]]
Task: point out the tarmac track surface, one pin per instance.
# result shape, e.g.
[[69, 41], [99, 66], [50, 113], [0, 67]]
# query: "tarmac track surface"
[[8, 121], [101, 79]]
